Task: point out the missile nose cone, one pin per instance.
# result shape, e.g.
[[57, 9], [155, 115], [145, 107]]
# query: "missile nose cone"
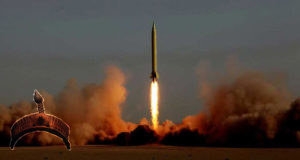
[[153, 26], [37, 97]]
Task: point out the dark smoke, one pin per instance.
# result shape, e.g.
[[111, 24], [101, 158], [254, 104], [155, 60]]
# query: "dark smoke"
[[289, 129], [184, 137], [142, 134]]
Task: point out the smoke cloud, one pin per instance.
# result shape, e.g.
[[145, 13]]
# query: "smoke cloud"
[[244, 111], [93, 111], [241, 108]]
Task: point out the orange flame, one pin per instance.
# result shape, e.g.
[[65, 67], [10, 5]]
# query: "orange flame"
[[154, 104]]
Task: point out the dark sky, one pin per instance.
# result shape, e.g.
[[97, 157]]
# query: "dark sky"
[[45, 43]]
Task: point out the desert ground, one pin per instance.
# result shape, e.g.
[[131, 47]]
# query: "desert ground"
[[149, 152]]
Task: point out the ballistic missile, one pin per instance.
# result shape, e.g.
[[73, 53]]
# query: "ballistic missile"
[[154, 74]]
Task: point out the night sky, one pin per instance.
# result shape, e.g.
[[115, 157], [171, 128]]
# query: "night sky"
[[45, 43]]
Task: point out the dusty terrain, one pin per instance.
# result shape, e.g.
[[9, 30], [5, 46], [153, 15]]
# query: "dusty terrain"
[[152, 152]]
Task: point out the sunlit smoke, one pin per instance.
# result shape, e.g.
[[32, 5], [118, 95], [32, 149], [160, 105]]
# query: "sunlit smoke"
[[240, 108], [154, 104], [92, 111]]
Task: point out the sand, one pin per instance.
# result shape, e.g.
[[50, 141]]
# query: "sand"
[[149, 152]]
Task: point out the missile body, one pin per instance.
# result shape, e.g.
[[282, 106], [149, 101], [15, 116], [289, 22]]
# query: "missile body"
[[154, 75]]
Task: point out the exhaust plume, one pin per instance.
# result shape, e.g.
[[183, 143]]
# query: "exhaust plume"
[[241, 108]]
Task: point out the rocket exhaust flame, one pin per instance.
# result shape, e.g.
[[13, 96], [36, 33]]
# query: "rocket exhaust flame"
[[154, 104]]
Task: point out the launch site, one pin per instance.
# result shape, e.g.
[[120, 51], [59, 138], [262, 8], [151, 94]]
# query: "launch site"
[[153, 80]]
